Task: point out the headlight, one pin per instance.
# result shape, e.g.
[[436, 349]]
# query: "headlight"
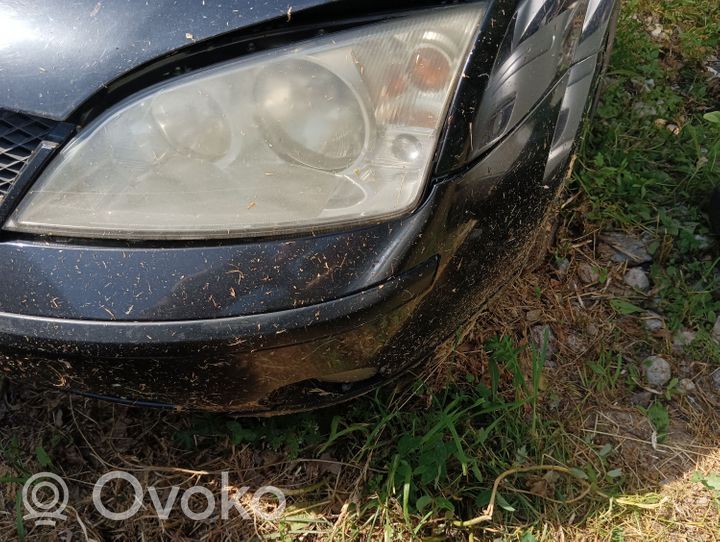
[[338, 130]]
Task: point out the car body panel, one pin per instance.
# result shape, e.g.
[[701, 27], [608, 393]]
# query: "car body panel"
[[66, 51], [479, 229], [283, 324], [125, 282]]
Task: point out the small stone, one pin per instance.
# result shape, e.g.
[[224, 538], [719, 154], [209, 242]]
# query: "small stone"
[[534, 315], [657, 31], [657, 371], [587, 273], [713, 67], [644, 109], [562, 267], [683, 338], [641, 398], [703, 241], [541, 338], [592, 330], [626, 249], [637, 278], [685, 386], [716, 330], [653, 322], [715, 380], [575, 343]]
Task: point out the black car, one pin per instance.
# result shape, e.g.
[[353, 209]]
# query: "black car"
[[264, 207]]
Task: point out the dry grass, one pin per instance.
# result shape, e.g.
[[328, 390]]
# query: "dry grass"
[[579, 461]]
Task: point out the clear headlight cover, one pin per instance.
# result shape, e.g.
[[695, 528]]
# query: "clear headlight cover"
[[338, 130]]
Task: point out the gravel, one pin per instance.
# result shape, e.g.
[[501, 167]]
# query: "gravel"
[[685, 386], [716, 330], [715, 380], [641, 398], [622, 248], [562, 267], [587, 273], [657, 371], [575, 343], [637, 278], [537, 338], [683, 338], [653, 322], [704, 242], [534, 315], [713, 67]]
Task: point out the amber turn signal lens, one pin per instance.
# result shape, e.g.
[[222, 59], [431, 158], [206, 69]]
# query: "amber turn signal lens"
[[429, 69]]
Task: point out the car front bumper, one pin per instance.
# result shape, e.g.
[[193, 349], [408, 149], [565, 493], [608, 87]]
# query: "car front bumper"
[[277, 325], [286, 360], [284, 324]]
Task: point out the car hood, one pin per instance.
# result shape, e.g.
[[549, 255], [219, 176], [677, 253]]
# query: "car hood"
[[57, 53]]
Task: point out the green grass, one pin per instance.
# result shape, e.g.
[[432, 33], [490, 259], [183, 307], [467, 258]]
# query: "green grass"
[[432, 456], [639, 175], [634, 170], [417, 462]]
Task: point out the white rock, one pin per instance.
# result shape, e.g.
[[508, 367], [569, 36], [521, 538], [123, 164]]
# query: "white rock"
[[653, 322], [704, 242], [626, 249], [657, 371], [637, 278], [562, 267], [683, 338], [645, 110], [715, 380], [685, 386], [716, 330]]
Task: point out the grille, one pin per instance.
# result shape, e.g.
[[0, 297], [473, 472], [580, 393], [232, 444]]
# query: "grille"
[[20, 135]]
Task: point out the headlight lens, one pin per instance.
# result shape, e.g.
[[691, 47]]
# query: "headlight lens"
[[310, 115], [338, 130]]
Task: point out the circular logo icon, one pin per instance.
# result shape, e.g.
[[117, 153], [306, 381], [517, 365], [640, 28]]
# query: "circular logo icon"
[[45, 497]]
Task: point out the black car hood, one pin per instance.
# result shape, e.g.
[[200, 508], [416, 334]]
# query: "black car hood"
[[55, 54]]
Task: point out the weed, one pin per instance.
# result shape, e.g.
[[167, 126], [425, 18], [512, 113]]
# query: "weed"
[[659, 417], [603, 374], [289, 434]]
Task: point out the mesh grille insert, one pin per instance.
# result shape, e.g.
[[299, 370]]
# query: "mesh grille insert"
[[20, 135]]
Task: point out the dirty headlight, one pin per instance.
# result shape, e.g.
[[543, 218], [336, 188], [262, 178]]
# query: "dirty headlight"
[[339, 130]]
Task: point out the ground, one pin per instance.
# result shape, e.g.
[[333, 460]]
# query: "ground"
[[544, 420]]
